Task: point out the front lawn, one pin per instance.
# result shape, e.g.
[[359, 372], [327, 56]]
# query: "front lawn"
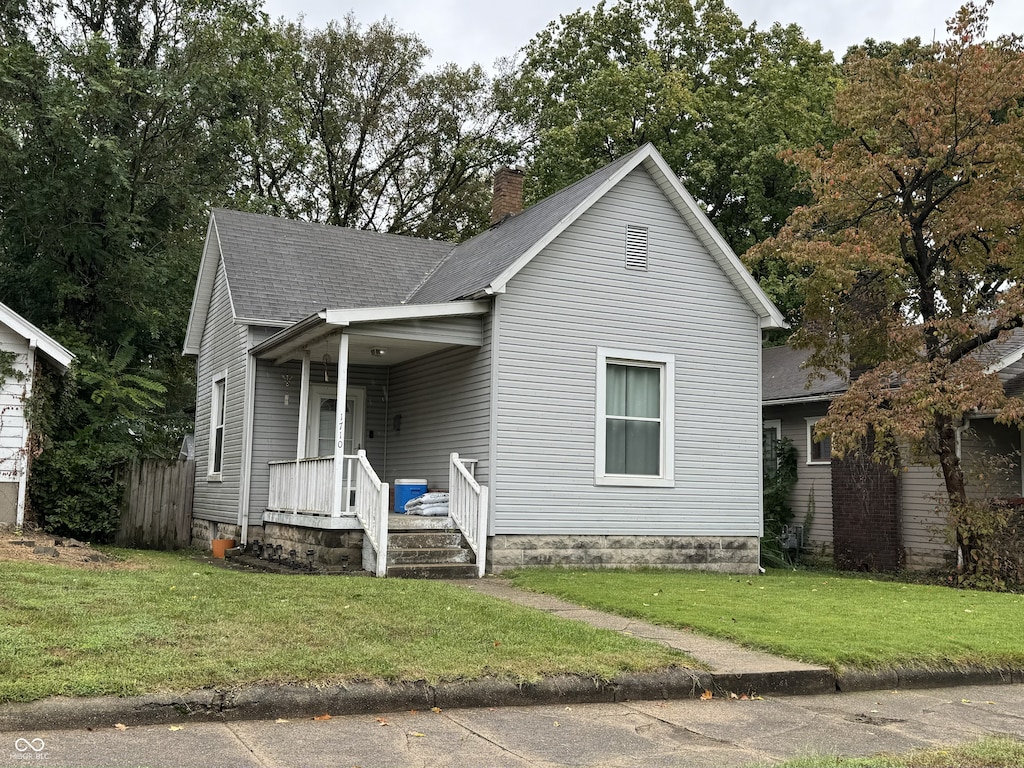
[[174, 623], [820, 618], [991, 753]]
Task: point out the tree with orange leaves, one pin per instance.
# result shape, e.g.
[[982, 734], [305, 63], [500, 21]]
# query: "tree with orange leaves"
[[912, 248]]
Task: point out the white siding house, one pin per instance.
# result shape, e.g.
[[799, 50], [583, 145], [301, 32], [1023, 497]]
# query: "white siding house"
[[582, 378], [24, 347]]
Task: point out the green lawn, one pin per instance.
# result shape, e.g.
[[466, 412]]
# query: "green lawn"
[[820, 618], [990, 753], [175, 623]]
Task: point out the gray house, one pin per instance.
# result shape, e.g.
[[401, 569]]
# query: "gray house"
[[582, 378], [23, 348], [903, 527]]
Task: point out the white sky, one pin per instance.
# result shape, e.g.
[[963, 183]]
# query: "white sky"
[[467, 31]]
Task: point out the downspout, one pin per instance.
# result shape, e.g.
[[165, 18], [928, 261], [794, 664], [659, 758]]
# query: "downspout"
[[246, 473], [760, 453]]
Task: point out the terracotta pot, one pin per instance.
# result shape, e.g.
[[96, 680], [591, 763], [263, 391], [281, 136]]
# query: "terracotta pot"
[[220, 545]]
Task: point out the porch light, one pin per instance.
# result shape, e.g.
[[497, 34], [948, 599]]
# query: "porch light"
[[378, 351]]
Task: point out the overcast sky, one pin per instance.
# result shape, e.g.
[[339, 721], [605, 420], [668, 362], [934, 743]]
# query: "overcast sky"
[[467, 31]]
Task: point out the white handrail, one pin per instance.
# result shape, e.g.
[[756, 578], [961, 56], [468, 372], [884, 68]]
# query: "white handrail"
[[467, 506], [371, 506]]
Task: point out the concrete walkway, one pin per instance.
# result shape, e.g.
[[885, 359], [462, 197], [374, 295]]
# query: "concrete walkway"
[[718, 655]]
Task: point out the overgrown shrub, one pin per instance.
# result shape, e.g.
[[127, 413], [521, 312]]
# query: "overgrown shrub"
[[992, 531]]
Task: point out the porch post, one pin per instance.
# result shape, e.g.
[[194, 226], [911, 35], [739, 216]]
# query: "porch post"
[[300, 441], [339, 425]]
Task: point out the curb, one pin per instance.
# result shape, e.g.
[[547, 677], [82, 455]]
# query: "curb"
[[261, 702]]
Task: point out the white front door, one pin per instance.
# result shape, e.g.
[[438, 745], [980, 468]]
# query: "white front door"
[[323, 406]]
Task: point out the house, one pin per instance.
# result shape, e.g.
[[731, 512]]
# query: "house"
[[582, 378], [898, 522], [23, 349]]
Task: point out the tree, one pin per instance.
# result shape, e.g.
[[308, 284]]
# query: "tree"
[[911, 248], [113, 145], [351, 130], [718, 99]]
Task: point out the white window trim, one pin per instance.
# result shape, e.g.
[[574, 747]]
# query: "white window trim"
[[212, 476], [775, 424], [666, 478], [811, 421]]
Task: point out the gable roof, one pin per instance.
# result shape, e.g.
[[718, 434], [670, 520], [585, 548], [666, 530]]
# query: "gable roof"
[[53, 350], [280, 271], [485, 264]]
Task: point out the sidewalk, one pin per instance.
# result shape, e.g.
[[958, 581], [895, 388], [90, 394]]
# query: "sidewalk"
[[730, 672]]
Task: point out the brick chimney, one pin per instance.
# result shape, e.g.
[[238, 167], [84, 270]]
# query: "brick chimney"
[[507, 199]]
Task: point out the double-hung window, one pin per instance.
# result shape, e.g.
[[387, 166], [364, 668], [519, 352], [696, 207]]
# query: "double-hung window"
[[217, 402], [635, 418]]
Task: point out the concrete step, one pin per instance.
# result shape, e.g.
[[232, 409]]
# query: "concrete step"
[[432, 556], [432, 571], [424, 539]]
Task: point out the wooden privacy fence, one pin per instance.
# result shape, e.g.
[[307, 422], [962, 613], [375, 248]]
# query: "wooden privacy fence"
[[157, 509]]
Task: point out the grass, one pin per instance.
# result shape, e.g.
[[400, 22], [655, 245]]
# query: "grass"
[[175, 623], [997, 752], [839, 622]]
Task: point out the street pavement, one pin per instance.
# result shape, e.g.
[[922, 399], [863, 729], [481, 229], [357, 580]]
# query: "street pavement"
[[692, 733]]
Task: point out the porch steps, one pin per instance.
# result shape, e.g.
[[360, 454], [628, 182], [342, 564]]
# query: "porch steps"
[[430, 554]]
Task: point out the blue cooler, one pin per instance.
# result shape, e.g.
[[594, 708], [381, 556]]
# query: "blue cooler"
[[406, 491]]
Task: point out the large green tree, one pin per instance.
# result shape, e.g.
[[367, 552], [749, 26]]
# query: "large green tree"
[[912, 245], [352, 129], [718, 99]]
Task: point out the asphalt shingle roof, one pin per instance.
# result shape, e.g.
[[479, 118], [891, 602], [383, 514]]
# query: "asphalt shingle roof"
[[783, 376], [473, 265], [281, 270]]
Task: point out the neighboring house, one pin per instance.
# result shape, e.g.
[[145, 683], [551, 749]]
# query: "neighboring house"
[[794, 401], [25, 347], [582, 377]]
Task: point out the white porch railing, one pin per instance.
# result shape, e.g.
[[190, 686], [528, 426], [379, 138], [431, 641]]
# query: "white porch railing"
[[467, 507], [302, 487], [371, 507], [306, 487]]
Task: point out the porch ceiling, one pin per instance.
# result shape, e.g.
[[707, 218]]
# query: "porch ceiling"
[[381, 343]]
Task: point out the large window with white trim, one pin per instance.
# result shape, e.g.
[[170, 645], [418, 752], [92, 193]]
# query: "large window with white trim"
[[635, 418], [217, 406]]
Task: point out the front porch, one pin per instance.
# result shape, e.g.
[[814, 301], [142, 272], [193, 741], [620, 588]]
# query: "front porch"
[[392, 425]]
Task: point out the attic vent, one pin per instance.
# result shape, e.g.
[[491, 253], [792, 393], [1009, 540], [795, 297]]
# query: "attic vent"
[[636, 247]]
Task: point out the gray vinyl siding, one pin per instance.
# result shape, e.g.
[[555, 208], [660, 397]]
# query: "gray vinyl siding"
[[812, 494], [12, 407], [921, 491], [577, 296], [276, 423], [443, 404], [223, 348]]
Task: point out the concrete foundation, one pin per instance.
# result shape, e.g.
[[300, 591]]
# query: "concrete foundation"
[[205, 531], [335, 548], [726, 554]]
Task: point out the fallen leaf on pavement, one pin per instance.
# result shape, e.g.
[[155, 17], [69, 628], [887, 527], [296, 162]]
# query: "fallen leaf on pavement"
[[707, 695], [383, 721], [322, 717], [417, 734], [280, 720], [436, 710], [176, 728], [121, 726]]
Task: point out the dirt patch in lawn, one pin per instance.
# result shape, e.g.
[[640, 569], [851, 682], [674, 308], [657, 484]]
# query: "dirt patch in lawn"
[[39, 547]]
